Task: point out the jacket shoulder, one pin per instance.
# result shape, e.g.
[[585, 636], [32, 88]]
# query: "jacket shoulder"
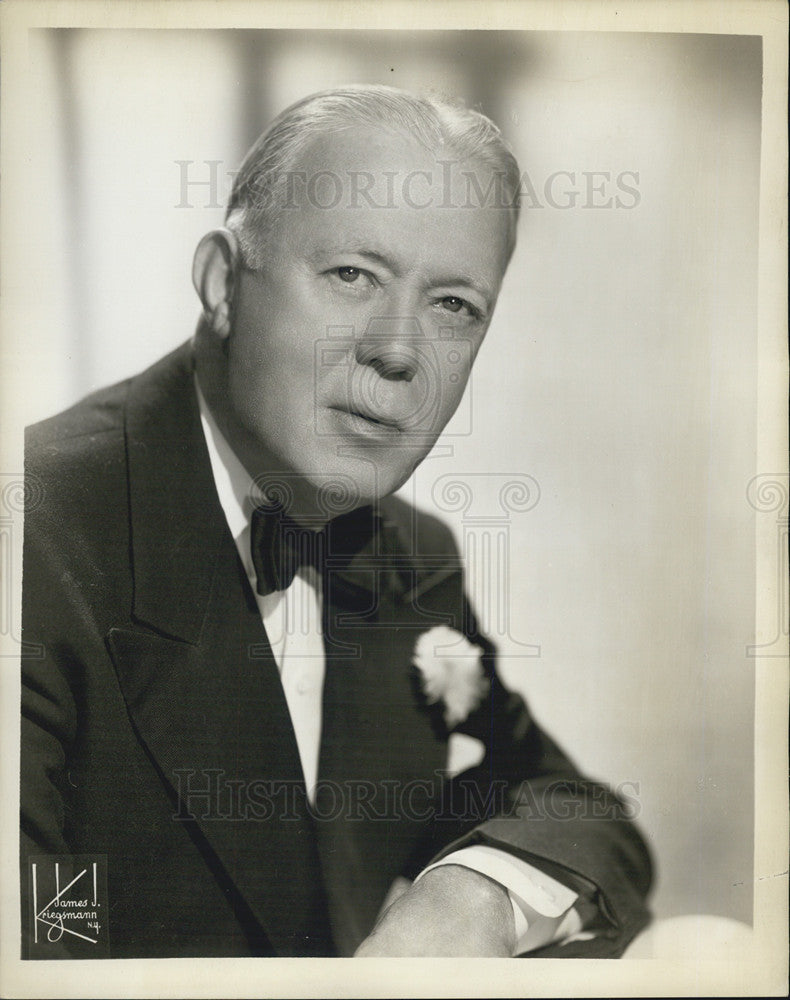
[[86, 433], [99, 413], [65, 455]]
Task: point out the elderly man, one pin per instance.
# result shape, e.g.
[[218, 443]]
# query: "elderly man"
[[251, 668]]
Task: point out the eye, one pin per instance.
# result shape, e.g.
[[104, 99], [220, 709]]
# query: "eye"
[[455, 304], [351, 281]]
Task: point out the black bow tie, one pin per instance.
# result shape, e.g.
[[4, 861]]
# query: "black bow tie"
[[280, 546]]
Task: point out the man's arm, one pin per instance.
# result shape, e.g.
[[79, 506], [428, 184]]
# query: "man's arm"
[[527, 801], [48, 727], [571, 828], [605, 861]]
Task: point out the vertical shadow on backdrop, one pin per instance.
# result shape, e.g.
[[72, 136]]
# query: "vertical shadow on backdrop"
[[477, 66], [64, 42]]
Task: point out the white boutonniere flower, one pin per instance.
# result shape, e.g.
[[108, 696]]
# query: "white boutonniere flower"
[[451, 670]]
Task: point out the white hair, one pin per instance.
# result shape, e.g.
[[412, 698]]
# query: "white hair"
[[438, 124]]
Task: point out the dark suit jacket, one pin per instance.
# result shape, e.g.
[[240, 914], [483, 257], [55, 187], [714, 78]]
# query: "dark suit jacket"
[[155, 730]]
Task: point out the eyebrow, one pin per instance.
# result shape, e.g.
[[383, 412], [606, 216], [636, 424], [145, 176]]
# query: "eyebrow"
[[360, 249]]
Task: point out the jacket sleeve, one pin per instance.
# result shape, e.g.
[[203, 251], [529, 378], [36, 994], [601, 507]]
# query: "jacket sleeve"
[[48, 728], [528, 798]]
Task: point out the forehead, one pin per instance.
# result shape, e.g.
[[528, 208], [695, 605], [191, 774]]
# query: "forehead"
[[371, 188]]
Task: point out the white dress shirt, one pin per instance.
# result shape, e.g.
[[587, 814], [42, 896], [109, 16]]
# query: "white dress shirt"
[[542, 907]]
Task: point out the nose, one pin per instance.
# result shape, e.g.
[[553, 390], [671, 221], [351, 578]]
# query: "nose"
[[391, 347]]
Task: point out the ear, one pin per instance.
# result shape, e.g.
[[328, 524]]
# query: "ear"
[[214, 270]]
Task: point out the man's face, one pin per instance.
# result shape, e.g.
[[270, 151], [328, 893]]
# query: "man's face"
[[351, 347]]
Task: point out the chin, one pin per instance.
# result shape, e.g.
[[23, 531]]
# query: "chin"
[[356, 484]]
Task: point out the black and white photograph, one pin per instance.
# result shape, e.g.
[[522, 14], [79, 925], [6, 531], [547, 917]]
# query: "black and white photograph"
[[394, 499]]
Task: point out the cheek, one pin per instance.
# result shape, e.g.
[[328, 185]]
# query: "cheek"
[[272, 357], [255, 392], [453, 386]]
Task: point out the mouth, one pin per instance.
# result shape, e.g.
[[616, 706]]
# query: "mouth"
[[381, 421], [367, 423]]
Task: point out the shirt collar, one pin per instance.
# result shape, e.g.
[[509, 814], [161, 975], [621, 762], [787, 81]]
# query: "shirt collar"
[[236, 488]]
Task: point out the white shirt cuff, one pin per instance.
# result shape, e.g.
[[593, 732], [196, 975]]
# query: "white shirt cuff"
[[542, 907]]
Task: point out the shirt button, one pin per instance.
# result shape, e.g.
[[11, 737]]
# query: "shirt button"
[[303, 685]]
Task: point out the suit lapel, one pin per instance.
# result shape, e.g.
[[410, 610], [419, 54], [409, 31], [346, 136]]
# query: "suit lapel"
[[178, 528], [198, 675]]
